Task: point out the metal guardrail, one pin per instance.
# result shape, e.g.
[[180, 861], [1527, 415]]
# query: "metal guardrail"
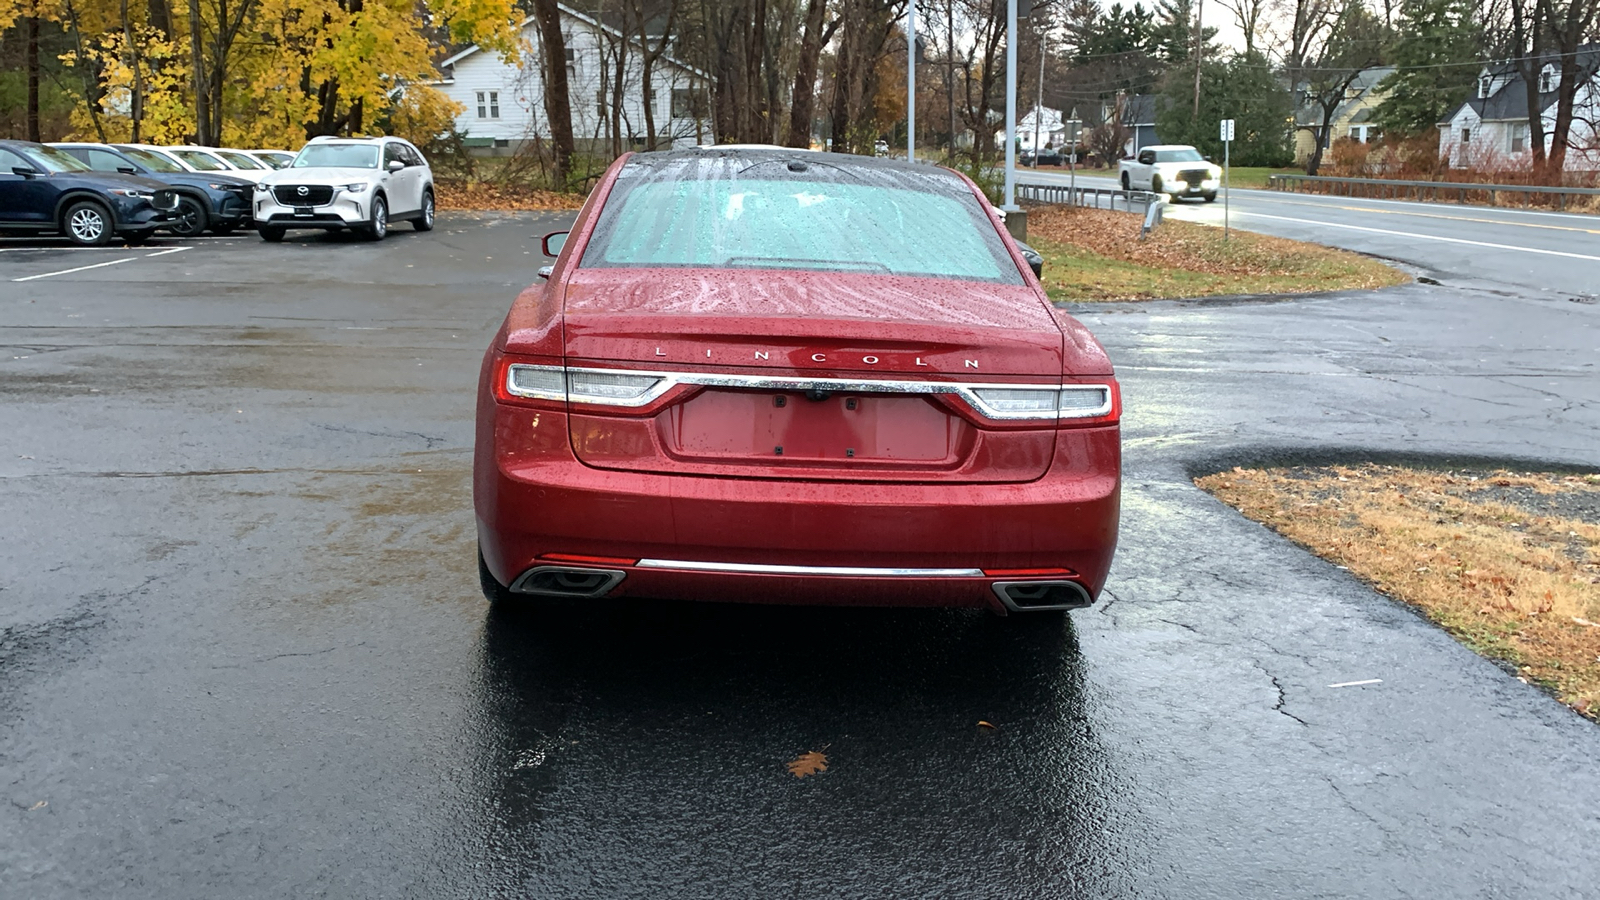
[[1084, 196], [1384, 188]]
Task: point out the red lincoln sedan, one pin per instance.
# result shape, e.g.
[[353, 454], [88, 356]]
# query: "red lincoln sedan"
[[778, 376]]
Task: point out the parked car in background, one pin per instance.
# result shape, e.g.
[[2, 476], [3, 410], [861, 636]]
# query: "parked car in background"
[[1175, 169], [241, 160], [773, 376], [207, 159], [277, 159], [1049, 156], [360, 184], [44, 190], [207, 201]]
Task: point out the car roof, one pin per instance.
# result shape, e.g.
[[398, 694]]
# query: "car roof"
[[1167, 147]]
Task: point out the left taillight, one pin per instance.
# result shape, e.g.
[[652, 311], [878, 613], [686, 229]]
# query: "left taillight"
[[592, 387]]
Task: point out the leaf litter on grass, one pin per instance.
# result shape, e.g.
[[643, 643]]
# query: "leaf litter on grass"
[[1507, 562]]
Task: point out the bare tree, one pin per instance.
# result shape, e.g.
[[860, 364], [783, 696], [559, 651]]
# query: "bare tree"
[[557, 102], [1247, 15]]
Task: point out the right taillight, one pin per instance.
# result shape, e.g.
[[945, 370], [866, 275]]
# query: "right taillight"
[[1028, 403]]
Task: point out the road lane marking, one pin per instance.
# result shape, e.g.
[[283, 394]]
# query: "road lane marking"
[[165, 252], [1425, 237], [1448, 218], [1357, 683], [78, 269]]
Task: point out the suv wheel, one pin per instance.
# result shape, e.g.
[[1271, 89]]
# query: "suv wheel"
[[192, 219], [378, 227], [272, 234], [87, 223], [1127, 184], [424, 222]]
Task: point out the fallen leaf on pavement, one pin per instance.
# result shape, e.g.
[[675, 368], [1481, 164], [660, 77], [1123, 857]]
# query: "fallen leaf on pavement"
[[983, 724], [808, 764]]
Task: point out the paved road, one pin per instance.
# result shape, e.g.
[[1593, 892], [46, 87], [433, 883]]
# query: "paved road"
[[1546, 252], [242, 652]]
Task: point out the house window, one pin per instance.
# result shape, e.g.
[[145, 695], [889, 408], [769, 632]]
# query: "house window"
[[689, 103], [1466, 135], [483, 112], [572, 62], [1548, 78], [1484, 83], [494, 104], [1519, 138]]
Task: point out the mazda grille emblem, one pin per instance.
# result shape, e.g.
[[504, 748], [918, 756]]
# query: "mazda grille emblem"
[[302, 190]]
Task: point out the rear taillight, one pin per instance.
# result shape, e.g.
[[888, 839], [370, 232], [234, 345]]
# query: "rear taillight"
[[588, 386], [1075, 401]]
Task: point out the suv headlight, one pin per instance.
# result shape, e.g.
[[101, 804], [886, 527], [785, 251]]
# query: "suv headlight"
[[356, 188], [135, 194], [262, 188]]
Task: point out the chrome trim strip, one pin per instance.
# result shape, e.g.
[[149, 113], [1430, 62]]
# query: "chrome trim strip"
[[847, 571], [966, 390]]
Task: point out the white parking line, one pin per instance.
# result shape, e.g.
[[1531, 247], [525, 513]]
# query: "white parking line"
[[1425, 237], [104, 264], [78, 269]]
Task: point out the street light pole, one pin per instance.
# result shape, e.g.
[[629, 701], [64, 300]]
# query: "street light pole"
[[1038, 109], [911, 82], [1011, 106]]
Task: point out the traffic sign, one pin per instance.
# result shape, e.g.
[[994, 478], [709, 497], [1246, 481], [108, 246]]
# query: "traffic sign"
[[1227, 129]]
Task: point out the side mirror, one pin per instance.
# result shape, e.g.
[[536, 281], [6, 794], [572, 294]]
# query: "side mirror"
[[127, 170], [1035, 261], [25, 171], [396, 165], [546, 271], [553, 242]]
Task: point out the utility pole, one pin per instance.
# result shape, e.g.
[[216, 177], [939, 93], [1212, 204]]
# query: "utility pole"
[[950, 68], [1011, 106], [1199, 45], [1038, 109], [911, 81]]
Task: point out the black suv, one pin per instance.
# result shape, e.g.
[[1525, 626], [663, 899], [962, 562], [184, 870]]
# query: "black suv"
[[43, 189], [206, 200]]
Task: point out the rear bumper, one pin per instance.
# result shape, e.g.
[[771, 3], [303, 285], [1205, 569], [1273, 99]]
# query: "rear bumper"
[[534, 498]]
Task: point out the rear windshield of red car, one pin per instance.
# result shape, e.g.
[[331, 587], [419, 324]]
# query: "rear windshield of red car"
[[730, 211]]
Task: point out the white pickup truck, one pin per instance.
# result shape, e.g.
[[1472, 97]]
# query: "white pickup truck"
[[1175, 169]]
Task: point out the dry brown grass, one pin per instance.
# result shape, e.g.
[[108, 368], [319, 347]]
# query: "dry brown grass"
[[478, 195], [1097, 255], [1518, 581]]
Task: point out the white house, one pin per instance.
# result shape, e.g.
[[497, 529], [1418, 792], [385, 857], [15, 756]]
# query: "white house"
[[1491, 128], [504, 103], [1045, 122]]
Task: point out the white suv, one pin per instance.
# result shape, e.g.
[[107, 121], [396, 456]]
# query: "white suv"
[[361, 184]]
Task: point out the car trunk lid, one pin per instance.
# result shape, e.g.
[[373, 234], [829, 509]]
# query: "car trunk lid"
[[778, 389]]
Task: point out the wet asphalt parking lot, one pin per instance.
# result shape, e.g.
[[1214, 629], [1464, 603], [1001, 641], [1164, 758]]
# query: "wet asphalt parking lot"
[[243, 653]]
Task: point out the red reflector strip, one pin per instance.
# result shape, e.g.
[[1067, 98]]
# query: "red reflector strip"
[[589, 560], [1027, 573]]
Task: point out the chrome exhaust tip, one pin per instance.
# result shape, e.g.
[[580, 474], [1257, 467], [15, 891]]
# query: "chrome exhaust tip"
[[567, 581], [1041, 596]]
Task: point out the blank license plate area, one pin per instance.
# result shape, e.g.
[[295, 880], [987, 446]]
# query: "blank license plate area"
[[766, 426]]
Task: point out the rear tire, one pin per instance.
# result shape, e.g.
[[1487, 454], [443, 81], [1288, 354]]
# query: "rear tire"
[[378, 226], [87, 224], [1127, 185], [495, 592], [272, 234], [192, 219], [1155, 185], [424, 221]]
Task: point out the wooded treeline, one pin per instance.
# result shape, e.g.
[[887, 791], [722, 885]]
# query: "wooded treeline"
[[274, 72]]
